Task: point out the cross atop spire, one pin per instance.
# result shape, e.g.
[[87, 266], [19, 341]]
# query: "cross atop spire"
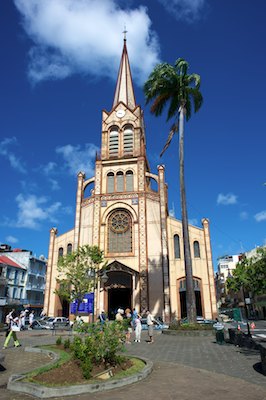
[[124, 86], [125, 33]]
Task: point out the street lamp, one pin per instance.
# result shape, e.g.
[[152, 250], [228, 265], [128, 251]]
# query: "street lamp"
[[246, 311], [102, 277]]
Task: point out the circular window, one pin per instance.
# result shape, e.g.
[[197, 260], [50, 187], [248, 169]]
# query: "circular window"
[[120, 222]]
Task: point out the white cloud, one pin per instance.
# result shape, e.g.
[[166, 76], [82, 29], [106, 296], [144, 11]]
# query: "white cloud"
[[243, 215], [85, 37], [79, 158], [172, 212], [11, 239], [14, 161], [193, 221], [261, 216], [226, 199], [188, 10], [32, 210], [48, 168], [54, 184]]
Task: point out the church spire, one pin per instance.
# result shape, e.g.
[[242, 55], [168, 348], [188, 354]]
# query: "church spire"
[[124, 87]]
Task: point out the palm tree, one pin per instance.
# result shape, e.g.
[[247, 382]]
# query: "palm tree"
[[173, 85]]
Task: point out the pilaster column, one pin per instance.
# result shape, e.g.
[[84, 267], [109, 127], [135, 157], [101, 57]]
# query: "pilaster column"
[[143, 264], [206, 231], [49, 271], [97, 204], [79, 198]]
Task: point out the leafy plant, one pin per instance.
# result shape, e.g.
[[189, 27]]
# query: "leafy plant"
[[250, 274], [73, 280], [100, 346], [58, 341], [67, 344], [172, 86], [86, 367]]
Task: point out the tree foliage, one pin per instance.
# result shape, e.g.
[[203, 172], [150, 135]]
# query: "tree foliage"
[[250, 274], [172, 86], [74, 280]]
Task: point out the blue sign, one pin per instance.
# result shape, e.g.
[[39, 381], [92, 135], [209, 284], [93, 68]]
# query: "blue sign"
[[86, 306]]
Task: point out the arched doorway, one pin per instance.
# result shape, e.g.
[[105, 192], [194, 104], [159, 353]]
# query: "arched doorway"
[[118, 298], [119, 292], [182, 297]]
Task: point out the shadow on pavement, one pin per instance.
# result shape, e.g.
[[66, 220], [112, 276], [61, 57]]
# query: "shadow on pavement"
[[258, 368]]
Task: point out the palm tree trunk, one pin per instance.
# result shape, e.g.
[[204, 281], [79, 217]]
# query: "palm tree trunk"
[[190, 295]]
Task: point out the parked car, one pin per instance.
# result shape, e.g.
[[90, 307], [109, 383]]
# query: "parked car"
[[58, 321], [157, 324], [200, 320], [38, 324]]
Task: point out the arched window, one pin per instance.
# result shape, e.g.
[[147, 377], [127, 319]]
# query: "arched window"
[[129, 181], [113, 142], [69, 248], [60, 252], [119, 181], [177, 246], [110, 182], [196, 249], [128, 140], [120, 232]]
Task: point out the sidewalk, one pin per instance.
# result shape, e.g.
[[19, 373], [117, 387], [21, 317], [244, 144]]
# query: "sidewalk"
[[184, 368]]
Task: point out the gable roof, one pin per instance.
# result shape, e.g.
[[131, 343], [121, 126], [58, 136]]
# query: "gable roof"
[[7, 261]]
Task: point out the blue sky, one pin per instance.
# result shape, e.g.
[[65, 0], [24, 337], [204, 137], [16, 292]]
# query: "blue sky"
[[59, 63]]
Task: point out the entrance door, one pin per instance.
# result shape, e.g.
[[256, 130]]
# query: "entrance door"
[[183, 303], [118, 298]]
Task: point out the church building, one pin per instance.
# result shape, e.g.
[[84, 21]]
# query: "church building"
[[123, 209]]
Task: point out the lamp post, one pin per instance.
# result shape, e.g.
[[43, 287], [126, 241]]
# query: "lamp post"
[[99, 276], [246, 311]]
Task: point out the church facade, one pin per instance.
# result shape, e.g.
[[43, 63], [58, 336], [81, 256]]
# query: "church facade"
[[123, 209]]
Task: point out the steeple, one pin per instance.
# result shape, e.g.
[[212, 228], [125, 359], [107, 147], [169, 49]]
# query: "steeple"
[[124, 87]]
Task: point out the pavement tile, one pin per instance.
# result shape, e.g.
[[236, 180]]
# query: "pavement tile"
[[184, 368]]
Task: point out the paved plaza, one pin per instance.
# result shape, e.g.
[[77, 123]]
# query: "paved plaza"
[[184, 368]]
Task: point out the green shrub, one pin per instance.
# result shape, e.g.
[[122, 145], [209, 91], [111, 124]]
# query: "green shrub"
[[81, 328], [67, 344], [176, 325], [86, 367], [58, 341], [101, 346]]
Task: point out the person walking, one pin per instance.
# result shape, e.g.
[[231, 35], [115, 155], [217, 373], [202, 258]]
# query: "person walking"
[[14, 327], [102, 318], [8, 321], [128, 326], [22, 320], [138, 328], [31, 319], [150, 320]]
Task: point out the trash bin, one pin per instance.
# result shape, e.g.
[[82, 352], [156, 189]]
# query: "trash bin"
[[219, 333]]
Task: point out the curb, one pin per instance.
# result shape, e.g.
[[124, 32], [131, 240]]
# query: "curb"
[[15, 382], [175, 332]]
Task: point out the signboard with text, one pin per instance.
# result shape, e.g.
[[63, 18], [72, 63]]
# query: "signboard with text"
[[86, 306]]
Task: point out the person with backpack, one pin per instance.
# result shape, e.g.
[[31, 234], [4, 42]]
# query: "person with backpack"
[[8, 321], [14, 327]]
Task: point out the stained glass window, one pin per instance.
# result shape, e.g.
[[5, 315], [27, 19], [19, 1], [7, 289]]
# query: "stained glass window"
[[196, 249], [120, 232], [177, 246]]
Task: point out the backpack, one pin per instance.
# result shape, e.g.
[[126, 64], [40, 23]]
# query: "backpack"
[[8, 319]]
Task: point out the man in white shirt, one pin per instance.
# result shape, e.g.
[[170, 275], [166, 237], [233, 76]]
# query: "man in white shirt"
[[150, 320]]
